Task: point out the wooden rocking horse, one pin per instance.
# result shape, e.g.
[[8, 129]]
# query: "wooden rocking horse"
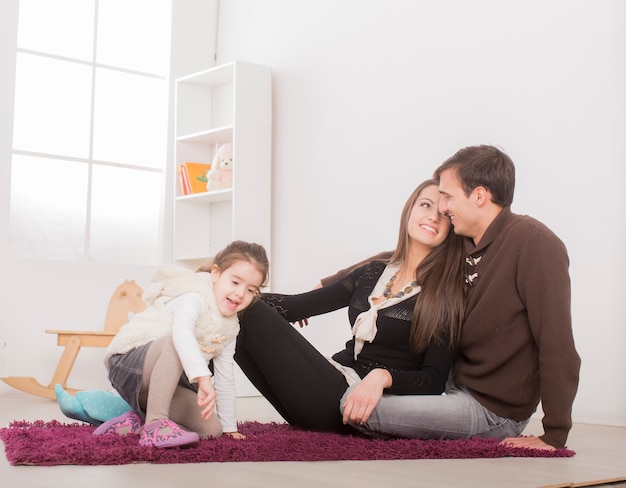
[[128, 297]]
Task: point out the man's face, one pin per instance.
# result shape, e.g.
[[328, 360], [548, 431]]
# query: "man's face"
[[456, 204]]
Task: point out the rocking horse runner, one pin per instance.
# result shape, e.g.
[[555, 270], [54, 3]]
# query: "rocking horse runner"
[[126, 298]]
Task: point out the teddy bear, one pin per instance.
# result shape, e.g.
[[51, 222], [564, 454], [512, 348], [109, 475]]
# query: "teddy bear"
[[220, 175]]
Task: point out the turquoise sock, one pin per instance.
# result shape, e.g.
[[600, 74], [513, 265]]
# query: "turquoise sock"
[[71, 407], [102, 405]]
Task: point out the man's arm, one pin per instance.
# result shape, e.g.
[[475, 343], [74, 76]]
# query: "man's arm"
[[544, 285], [382, 256]]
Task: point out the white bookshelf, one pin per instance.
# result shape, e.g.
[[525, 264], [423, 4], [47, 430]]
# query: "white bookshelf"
[[228, 103]]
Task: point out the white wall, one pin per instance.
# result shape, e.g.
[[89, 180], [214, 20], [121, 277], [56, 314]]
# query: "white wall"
[[369, 97]]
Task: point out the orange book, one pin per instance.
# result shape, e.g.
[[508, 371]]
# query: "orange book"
[[197, 176]]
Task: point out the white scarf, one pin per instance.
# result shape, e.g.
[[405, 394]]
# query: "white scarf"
[[364, 328]]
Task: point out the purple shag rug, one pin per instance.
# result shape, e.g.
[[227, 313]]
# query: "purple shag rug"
[[53, 443]]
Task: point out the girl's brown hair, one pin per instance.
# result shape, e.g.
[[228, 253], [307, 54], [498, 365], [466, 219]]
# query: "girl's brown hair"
[[241, 251], [440, 305]]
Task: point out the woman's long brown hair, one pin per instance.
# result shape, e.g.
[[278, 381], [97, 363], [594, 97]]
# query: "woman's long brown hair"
[[440, 305]]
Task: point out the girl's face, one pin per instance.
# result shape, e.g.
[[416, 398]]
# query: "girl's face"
[[426, 225], [235, 287]]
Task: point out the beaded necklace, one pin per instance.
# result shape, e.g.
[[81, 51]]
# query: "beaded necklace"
[[407, 289]]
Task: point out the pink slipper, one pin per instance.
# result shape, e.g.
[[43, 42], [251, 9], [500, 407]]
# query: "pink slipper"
[[127, 423], [165, 433]]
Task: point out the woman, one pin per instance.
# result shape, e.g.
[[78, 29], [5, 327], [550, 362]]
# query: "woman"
[[405, 315]]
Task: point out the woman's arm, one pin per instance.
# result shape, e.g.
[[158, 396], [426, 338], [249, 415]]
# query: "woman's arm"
[[382, 256], [314, 302], [430, 379], [365, 395], [432, 376]]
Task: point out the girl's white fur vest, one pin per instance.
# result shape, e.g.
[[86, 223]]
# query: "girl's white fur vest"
[[212, 330]]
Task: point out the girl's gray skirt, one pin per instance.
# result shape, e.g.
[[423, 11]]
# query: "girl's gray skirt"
[[126, 375]]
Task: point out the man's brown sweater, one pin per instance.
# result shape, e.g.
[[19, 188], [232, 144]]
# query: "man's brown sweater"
[[517, 346]]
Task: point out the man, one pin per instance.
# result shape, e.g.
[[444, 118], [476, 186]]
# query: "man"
[[516, 347]]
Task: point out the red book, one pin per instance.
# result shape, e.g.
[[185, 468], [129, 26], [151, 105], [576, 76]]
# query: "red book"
[[185, 185]]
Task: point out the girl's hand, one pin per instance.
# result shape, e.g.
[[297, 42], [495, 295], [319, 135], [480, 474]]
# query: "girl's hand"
[[235, 435], [364, 397], [206, 396]]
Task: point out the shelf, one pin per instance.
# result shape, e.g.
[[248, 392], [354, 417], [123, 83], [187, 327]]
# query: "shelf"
[[219, 135], [205, 104], [208, 197], [211, 77]]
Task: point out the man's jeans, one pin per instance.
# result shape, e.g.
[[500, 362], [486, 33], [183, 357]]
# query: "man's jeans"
[[453, 415]]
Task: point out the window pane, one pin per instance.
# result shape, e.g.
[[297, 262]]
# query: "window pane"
[[134, 34], [88, 208], [48, 201], [126, 215], [52, 106], [130, 119], [62, 27]]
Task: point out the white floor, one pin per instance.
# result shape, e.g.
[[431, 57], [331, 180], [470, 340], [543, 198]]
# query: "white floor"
[[601, 452]]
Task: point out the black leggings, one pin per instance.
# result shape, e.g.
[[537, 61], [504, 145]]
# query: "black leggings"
[[290, 373]]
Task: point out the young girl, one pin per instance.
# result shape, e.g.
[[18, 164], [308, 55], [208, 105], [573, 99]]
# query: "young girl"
[[191, 321]]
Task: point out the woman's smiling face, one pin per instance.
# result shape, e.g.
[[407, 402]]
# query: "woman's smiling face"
[[426, 225]]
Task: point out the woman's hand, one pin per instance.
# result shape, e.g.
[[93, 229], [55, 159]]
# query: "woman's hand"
[[302, 323], [364, 397], [206, 396]]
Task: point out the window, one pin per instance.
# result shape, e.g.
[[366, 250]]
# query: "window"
[[90, 130]]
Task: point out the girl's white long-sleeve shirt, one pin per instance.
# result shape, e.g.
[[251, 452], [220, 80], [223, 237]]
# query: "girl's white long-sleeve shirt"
[[186, 309]]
